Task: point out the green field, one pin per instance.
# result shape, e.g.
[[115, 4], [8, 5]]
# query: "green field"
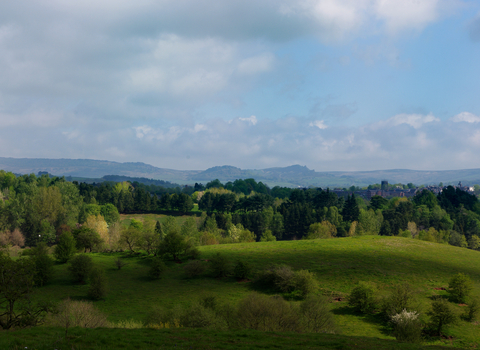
[[338, 264]]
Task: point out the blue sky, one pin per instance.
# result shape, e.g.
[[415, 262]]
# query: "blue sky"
[[191, 84]]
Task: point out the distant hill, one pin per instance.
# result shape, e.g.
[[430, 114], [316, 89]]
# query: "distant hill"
[[294, 175]]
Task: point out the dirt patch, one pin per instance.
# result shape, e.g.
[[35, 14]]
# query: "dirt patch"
[[462, 305], [439, 288], [338, 299], [244, 281]]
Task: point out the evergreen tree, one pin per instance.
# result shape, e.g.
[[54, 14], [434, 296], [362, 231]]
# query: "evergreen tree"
[[65, 248]]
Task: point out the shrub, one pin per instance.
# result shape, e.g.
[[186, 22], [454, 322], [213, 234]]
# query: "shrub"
[[459, 287], [43, 264], [242, 270], [220, 266], [472, 310], [194, 268], [278, 277], [362, 298], [402, 298], [161, 318], [119, 263], [441, 315], [98, 284], [305, 283], [80, 267], [270, 314], [157, 268], [316, 315], [78, 314], [66, 247], [407, 326], [198, 316]]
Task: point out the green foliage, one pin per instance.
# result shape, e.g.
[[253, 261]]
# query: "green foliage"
[[86, 238], [131, 237], [198, 316], [363, 297], [110, 213], [80, 268], [460, 287], [284, 279], [267, 236], [98, 284], [136, 224], [473, 309], [407, 326], [157, 268], [119, 263], [271, 314], [194, 268], [242, 270], [65, 248], [43, 264], [16, 285], [401, 298], [441, 315], [220, 265], [305, 283], [173, 244], [316, 316]]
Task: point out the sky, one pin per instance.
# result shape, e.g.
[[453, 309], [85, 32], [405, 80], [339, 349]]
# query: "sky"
[[336, 85]]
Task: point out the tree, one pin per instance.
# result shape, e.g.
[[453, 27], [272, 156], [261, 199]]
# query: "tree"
[[98, 284], [441, 314], [173, 244], [16, 285], [460, 287], [42, 263], [86, 238], [80, 267], [98, 224], [65, 248], [110, 213], [322, 229], [131, 236]]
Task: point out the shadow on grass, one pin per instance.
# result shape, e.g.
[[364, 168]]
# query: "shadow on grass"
[[376, 319]]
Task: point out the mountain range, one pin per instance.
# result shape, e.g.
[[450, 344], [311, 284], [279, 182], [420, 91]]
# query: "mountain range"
[[290, 176]]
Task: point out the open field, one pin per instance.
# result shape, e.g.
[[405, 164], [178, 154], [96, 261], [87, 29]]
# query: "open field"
[[338, 264]]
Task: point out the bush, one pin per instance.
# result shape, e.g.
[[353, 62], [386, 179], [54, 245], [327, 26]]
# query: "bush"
[[278, 277], [119, 263], [362, 298], [157, 268], [77, 314], [98, 284], [198, 316], [407, 326], [66, 247], [267, 314], [80, 267], [194, 268], [305, 283], [242, 270], [441, 315], [316, 315], [220, 266], [472, 310], [459, 287], [43, 264], [402, 298], [161, 318]]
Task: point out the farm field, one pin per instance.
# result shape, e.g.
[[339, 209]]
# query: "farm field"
[[337, 263]]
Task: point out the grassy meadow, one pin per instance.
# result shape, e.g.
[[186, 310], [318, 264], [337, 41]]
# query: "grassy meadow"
[[337, 263]]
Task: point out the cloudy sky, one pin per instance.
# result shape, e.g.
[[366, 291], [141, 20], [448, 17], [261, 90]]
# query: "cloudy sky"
[[190, 84]]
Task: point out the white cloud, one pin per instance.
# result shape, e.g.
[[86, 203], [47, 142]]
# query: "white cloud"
[[414, 120], [466, 117], [319, 124], [407, 14], [251, 120]]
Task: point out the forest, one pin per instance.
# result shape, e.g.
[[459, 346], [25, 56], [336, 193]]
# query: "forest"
[[41, 208]]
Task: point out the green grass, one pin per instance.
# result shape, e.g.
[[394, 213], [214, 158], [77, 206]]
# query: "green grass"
[[101, 338], [338, 264]]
